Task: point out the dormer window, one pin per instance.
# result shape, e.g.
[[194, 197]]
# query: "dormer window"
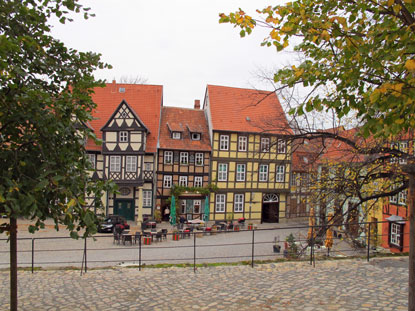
[[176, 135], [123, 136], [195, 136]]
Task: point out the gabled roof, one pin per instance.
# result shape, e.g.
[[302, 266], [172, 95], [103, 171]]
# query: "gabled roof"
[[129, 109], [145, 100], [189, 119], [245, 110]]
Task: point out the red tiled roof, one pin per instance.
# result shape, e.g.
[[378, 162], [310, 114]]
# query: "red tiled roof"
[[189, 119], [246, 110], [145, 100]]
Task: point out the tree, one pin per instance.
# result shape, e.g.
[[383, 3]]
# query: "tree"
[[362, 51], [359, 56], [45, 105]]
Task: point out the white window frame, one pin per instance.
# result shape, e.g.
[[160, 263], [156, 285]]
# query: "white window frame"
[[222, 171], [198, 181], [167, 181], [281, 146], [199, 159], [280, 173], [395, 237], [115, 163], [403, 146], [238, 203], [184, 158], [183, 181], [402, 196], [263, 174], [293, 179], [147, 198], [393, 199], [195, 136], [168, 157], [92, 159], [197, 204], [240, 174], [224, 142], [176, 135], [242, 143], [123, 136], [220, 203], [265, 144], [131, 164]]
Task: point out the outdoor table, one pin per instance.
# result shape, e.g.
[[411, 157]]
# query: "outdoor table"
[[127, 237]]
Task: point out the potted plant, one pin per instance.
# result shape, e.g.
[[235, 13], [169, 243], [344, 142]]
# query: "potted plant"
[[292, 247], [157, 216], [250, 226], [175, 235], [276, 247]]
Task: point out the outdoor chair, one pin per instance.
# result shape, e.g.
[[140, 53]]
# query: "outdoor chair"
[[116, 238], [127, 238], [164, 233], [137, 237], [159, 236]]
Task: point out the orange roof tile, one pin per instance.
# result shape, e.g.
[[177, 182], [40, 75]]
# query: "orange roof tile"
[[145, 100], [245, 110], [193, 119]]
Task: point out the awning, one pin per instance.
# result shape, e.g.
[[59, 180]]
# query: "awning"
[[397, 219]]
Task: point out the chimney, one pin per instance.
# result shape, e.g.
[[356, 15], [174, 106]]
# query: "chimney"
[[113, 86], [197, 103]]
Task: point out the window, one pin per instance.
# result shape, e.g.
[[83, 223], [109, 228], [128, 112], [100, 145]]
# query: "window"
[[184, 158], [115, 163], [220, 203], [223, 172], [183, 207], [195, 136], [242, 143], [148, 166], [293, 179], [280, 173], [198, 182], [224, 142], [91, 158], [281, 146], [240, 172], [168, 157], [402, 197], [393, 199], [265, 144], [123, 136], [393, 157], [199, 158], [395, 237], [176, 135], [131, 164], [263, 172], [238, 203], [147, 198], [183, 181], [167, 181], [403, 146]]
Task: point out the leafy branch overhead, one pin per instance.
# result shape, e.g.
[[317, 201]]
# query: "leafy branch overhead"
[[361, 53]]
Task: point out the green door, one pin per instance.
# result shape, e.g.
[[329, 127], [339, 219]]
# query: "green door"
[[124, 208]]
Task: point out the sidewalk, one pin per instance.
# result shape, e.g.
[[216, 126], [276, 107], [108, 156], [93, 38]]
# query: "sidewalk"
[[340, 285]]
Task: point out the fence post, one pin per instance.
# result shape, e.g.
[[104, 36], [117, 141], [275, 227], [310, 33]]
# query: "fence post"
[[33, 254], [312, 245], [194, 252], [368, 243], [253, 246], [139, 252]]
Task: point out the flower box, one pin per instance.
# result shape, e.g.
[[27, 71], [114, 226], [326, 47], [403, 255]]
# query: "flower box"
[[175, 236], [147, 240]]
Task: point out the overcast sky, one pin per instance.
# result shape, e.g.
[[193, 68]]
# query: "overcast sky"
[[175, 43]]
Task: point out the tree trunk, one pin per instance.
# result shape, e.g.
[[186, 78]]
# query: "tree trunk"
[[410, 169], [13, 264]]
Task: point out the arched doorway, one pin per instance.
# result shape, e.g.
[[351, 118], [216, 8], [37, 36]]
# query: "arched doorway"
[[270, 208]]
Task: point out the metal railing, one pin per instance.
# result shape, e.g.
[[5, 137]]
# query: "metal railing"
[[247, 246]]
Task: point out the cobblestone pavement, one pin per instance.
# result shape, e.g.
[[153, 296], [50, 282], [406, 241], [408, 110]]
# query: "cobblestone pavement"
[[330, 285]]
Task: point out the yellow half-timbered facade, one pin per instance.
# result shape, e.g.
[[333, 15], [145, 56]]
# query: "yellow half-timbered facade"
[[251, 161]]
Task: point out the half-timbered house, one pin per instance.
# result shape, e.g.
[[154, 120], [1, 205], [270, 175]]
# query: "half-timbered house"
[[183, 159], [126, 119], [250, 154]]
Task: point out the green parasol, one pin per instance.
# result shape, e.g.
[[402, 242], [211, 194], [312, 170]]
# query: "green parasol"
[[206, 214], [173, 211]]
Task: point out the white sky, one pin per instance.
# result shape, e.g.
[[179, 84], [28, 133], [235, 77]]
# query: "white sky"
[[175, 43]]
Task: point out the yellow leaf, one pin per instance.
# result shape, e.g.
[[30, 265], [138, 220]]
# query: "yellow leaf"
[[399, 121], [325, 35], [298, 73], [71, 203], [391, 2], [410, 65]]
